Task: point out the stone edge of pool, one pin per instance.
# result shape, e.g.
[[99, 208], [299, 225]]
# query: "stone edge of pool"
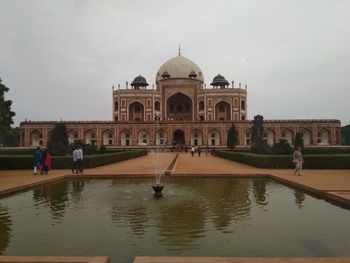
[[154, 259]]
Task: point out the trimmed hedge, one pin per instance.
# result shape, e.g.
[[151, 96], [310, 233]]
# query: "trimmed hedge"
[[31, 151], [327, 150], [19, 162], [314, 161], [17, 152]]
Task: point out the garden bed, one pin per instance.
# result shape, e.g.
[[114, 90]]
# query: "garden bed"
[[20, 162], [311, 161]]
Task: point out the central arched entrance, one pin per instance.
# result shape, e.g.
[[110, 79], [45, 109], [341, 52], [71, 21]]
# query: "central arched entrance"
[[179, 107], [179, 137]]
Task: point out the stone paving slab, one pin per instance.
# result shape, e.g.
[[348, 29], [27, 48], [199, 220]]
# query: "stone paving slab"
[[16, 180], [240, 260], [148, 164]]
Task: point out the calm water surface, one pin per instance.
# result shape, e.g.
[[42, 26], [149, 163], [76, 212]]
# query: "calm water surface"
[[195, 217]]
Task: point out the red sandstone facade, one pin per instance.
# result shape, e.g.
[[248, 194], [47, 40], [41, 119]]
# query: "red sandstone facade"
[[180, 109]]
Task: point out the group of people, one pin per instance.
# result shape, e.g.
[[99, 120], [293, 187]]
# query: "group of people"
[[42, 161], [78, 164]]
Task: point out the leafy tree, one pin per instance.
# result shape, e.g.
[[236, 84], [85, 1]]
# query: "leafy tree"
[[257, 139], [232, 137], [58, 143], [298, 141], [11, 137], [282, 147], [6, 114], [345, 135]]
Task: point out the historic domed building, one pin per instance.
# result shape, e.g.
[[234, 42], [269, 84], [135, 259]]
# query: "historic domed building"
[[180, 110]]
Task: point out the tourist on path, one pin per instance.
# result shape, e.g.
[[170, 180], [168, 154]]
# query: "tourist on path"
[[46, 162], [75, 161], [199, 150], [80, 160], [298, 161], [37, 160], [192, 151], [207, 151]]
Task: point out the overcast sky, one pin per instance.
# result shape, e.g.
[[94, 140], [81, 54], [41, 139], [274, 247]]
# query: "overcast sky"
[[60, 58]]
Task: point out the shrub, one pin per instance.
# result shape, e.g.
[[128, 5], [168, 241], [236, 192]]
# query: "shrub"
[[17, 152], [58, 141], [327, 150], [103, 149], [258, 160], [262, 148], [18, 162], [335, 161], [281, 147]]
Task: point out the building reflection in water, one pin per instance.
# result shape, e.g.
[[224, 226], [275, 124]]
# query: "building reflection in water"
[[186, 212], [5, 229]]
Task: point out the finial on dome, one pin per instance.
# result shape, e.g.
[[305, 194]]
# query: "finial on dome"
[[179, 53]]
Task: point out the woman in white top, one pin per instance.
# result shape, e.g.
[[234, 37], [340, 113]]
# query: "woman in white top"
[[298, 161]]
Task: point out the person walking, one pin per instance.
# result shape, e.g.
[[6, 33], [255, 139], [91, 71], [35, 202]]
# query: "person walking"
[[80, 160], [298, 161], [199, 150], [46, 162], [37, 160], [192, 151], [75, 161]]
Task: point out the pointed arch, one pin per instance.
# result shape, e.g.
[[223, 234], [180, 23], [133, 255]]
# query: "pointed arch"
[[107, 137], [73, 136], [269, 136], [307, 136], [222, 111], [36, 138], [323, 136], [136, 111], [143, 137], [287, 134], [161, 137], [214, 137], [179, 107], [196, 137], [90, 137], [125, 137]]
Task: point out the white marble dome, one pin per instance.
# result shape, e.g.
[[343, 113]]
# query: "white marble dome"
[[179, 67]]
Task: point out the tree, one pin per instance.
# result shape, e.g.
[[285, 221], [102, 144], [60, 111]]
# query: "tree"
[[257, 139], [6, 114], [282, 147], [345, 135], [58, 143], [11, 137], [298, 141], [232, 137]]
